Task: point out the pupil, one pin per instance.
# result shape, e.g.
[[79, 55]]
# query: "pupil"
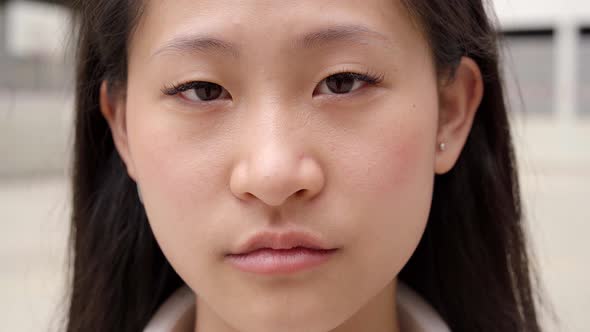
[[340, 83], [208, 91]]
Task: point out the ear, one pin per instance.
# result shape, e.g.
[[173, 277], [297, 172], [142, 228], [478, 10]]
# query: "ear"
[[459, 100], [113, 110]]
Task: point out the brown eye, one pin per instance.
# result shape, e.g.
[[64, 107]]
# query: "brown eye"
[[198, 91], [340, 83], [205, 91], [346, 82]]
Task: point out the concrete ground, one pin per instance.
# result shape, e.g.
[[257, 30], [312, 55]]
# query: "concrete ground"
[[555, 174]]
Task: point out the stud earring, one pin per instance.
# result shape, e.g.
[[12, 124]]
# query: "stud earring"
[[442, 146], [139, 194]]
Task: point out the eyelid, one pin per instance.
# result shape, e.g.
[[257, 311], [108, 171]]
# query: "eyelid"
[[176, 88], [368, 77]]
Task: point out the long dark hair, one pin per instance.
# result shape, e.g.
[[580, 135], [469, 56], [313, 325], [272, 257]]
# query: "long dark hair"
[[472, 264]]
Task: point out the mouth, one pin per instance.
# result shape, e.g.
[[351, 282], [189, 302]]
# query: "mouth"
[[280, 261], [281, 240], [280, 253]]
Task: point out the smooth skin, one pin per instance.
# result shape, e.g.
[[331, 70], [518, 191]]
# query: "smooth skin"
[[277, 150]]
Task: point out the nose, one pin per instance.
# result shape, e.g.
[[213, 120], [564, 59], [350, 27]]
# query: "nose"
[[276, 165]]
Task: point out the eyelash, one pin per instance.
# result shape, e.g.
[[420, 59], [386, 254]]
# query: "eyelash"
[[371, 78], [368, 77], [181, 87]]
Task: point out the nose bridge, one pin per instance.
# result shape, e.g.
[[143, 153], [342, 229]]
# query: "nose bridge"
[[275, 162], [274, 149], [277, 123]]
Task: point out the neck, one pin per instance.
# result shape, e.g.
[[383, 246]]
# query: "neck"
[[380, 314]]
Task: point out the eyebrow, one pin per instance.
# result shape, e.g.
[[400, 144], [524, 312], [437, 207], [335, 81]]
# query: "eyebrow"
[[357, 34], [352, 33]]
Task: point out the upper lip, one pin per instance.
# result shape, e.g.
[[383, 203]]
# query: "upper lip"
[[280, 240]]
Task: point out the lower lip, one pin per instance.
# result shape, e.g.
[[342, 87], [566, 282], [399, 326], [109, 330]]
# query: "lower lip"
[[273, 261]]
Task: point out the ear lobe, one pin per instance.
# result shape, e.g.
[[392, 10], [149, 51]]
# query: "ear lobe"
[[113, 110], [459, 101]]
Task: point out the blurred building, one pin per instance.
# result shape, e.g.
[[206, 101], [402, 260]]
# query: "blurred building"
[[547, 66], [548, 55], [36, 80], [32, 39]]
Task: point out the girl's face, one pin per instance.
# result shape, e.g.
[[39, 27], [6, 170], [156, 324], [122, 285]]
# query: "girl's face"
[[274, 144]]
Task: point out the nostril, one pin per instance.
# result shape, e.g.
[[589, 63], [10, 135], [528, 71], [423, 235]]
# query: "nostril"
[[300, 192]]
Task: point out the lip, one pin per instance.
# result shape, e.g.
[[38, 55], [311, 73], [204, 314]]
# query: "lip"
[[281, 240], [280, 261]]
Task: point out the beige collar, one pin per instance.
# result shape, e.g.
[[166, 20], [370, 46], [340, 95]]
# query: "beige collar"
[[176, 314]]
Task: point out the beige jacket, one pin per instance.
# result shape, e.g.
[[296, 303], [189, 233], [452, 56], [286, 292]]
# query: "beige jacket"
[[176, 314]]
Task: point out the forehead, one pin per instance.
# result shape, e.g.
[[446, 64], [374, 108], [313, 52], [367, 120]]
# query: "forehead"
[[230, 26]]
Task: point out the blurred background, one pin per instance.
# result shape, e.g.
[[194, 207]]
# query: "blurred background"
[[547, 64]]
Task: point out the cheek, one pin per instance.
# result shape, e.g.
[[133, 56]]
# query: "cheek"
[[407, 166], [176, 161], [403, 190], [181, 174], [392, 189], [395, 159], [175, 170]]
